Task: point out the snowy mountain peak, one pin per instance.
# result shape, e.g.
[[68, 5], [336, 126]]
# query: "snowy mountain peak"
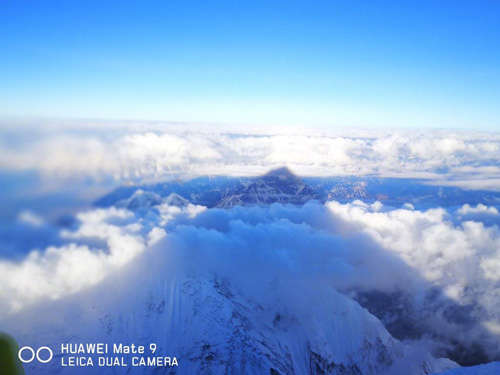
[[140, 199], [277, 186], [176, 200]]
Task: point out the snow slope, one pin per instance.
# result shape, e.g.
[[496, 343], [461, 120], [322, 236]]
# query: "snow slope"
[[215, 327]]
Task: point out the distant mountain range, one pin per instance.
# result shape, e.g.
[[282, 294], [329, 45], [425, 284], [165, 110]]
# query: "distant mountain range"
[[282, 186]]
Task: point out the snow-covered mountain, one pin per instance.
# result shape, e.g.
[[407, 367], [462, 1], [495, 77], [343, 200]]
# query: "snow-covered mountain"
[[213, 327], [281, 185], [277, 186], [140, 199], [349, 191]]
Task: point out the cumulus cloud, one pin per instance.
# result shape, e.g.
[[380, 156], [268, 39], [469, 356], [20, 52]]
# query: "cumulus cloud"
[[460, 259], [467, 209], [463, 159], [452, 256], [56, 271], [104, 241]]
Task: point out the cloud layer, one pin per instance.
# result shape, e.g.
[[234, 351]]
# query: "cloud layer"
[[469, 160], [442, 262]]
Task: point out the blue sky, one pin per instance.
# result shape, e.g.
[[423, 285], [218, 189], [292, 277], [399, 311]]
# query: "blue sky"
[[365, 64]]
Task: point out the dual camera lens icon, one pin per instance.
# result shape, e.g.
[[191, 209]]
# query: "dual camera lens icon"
[[27, 354]]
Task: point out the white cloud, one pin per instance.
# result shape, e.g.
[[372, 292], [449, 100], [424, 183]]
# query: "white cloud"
[[461, 159], [57, 271], [461, 259], [105, 241], [467, 209], [31, 218], [409, 206], [428, 241]]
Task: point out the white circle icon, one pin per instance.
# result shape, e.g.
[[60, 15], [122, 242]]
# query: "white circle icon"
[[48, 359], [31, 357], [23, 360]]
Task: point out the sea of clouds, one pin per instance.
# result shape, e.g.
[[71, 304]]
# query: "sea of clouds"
[[139, 152], [446, 262]]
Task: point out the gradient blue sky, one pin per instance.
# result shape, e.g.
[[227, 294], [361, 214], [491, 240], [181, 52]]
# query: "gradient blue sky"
[[334, 63]]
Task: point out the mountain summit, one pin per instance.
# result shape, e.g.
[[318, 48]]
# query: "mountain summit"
[[277, 186]]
